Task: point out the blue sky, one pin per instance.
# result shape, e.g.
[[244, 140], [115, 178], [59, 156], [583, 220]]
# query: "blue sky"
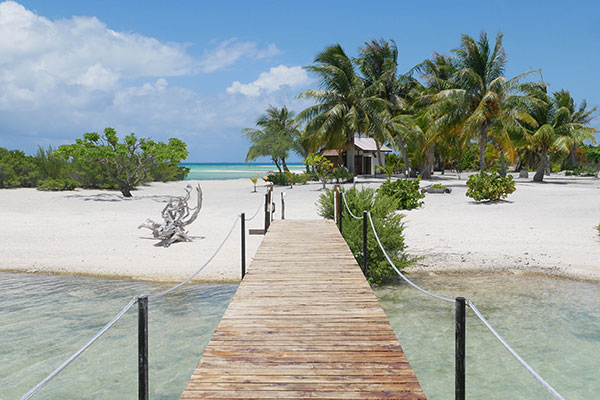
[[202, 71]]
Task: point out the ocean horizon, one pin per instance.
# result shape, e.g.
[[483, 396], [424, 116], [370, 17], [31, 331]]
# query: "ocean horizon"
[[233, 170]]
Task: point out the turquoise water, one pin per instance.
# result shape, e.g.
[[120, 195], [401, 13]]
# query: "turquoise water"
[[233, 171], [553, 324], [44, 319]]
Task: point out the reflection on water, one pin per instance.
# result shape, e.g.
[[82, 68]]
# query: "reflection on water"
[[553, 324], [45, 318]]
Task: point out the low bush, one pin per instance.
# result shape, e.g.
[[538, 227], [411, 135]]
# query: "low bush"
[[404, 192], [489, 187], [438, 186], [57, 184], [17, 169], [342, 175], [388, 224], [287, 178], [582, 171]]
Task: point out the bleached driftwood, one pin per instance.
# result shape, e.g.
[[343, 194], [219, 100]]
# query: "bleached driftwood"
[[177, 215]]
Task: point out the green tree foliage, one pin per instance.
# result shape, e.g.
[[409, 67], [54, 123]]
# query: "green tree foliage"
[[388, 224], [321, 167], [489, 187], [405, 192], [128, 163], [17, 169], [277, 136]]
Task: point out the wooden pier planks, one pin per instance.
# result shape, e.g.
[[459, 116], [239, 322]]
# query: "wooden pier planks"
[[304, 323]]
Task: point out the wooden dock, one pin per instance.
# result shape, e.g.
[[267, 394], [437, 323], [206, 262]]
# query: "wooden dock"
[[304, 323]]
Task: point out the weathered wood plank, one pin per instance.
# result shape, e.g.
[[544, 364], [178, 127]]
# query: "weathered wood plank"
[[304, 323]]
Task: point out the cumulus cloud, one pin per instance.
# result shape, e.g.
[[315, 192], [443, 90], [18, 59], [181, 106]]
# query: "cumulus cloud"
[[272, 81], [60, 78], [229, 51]]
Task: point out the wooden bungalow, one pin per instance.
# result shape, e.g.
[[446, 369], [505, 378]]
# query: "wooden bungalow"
[[365, 155]]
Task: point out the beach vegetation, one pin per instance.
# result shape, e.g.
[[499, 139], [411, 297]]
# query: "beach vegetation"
[[128, 162], [287, 178], [277, 134], [320, 167], [57, 184], [342, 174], [254, 181], [388, 170], [388, 223], [17, 169], [489, 187], [404, 192]]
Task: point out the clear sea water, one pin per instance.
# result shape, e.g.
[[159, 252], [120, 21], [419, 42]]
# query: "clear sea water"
[[554, 324], [200, 171]]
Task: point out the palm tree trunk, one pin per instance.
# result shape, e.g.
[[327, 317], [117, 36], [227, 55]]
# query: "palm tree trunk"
[[572, 159], [285, 167], [277, 164], [502, 164], [404, 156], [539, 174], [548, 165], [350, 155], [379, 159], [428, 164], [482, 145]]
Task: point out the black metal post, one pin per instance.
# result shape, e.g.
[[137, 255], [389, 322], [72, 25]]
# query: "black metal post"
[[365, 242], [267, 213], [282, 206], [243, 245], [461, 330], [340, 205], [143, 348]]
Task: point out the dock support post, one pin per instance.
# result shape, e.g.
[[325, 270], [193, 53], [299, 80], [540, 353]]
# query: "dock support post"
[[461, 329], [267, 212], [143, 347], [282, 206], [339, 205], [365, 243], [243, 223]]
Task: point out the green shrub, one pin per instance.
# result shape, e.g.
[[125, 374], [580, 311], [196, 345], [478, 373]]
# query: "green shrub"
[[438, 186], [388, 224], [286, 178], [342, 175], [17, 169], [489, 187], [57, 184], [405, 192], [51, 166], [167, 172], [582, 171]]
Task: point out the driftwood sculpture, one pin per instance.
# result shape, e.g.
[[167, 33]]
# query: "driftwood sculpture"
[[177, 215]]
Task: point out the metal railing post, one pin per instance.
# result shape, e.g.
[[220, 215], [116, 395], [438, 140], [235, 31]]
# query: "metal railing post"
[[282, 206], [461, 330], [365, 243], [143, 347], [243, 223], [340, 205], [267, 212]]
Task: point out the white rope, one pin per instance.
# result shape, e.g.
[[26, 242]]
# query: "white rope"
[[164, 292], [541, 380], [400, 273], [256, 213], [43, 383], [348, 208]]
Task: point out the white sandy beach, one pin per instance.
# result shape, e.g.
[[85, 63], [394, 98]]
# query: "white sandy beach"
[[547, 228]]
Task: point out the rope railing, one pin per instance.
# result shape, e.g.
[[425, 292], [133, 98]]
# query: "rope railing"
[[101, 332], [256, 213], [469, 303], [120, 314]]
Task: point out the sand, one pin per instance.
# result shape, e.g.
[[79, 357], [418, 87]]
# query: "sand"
[[542, 228]]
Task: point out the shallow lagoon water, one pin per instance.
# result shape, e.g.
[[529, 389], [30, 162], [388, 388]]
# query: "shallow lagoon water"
[[45, 318], [222, 171], [553, 324]]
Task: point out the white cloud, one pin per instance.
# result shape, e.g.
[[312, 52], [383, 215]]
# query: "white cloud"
[[272, 81], [229, 51]]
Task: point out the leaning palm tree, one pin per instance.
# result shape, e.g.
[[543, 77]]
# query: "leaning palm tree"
[[276, 138], [553, 128], [342, 109]]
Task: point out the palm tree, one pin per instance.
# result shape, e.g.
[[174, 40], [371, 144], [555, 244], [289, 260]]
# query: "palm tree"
[[480, 66], [553, 128], [276, 138], [342, 109]]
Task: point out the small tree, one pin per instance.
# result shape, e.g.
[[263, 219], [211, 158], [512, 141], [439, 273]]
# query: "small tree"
[[127, 162], [321, 166]]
